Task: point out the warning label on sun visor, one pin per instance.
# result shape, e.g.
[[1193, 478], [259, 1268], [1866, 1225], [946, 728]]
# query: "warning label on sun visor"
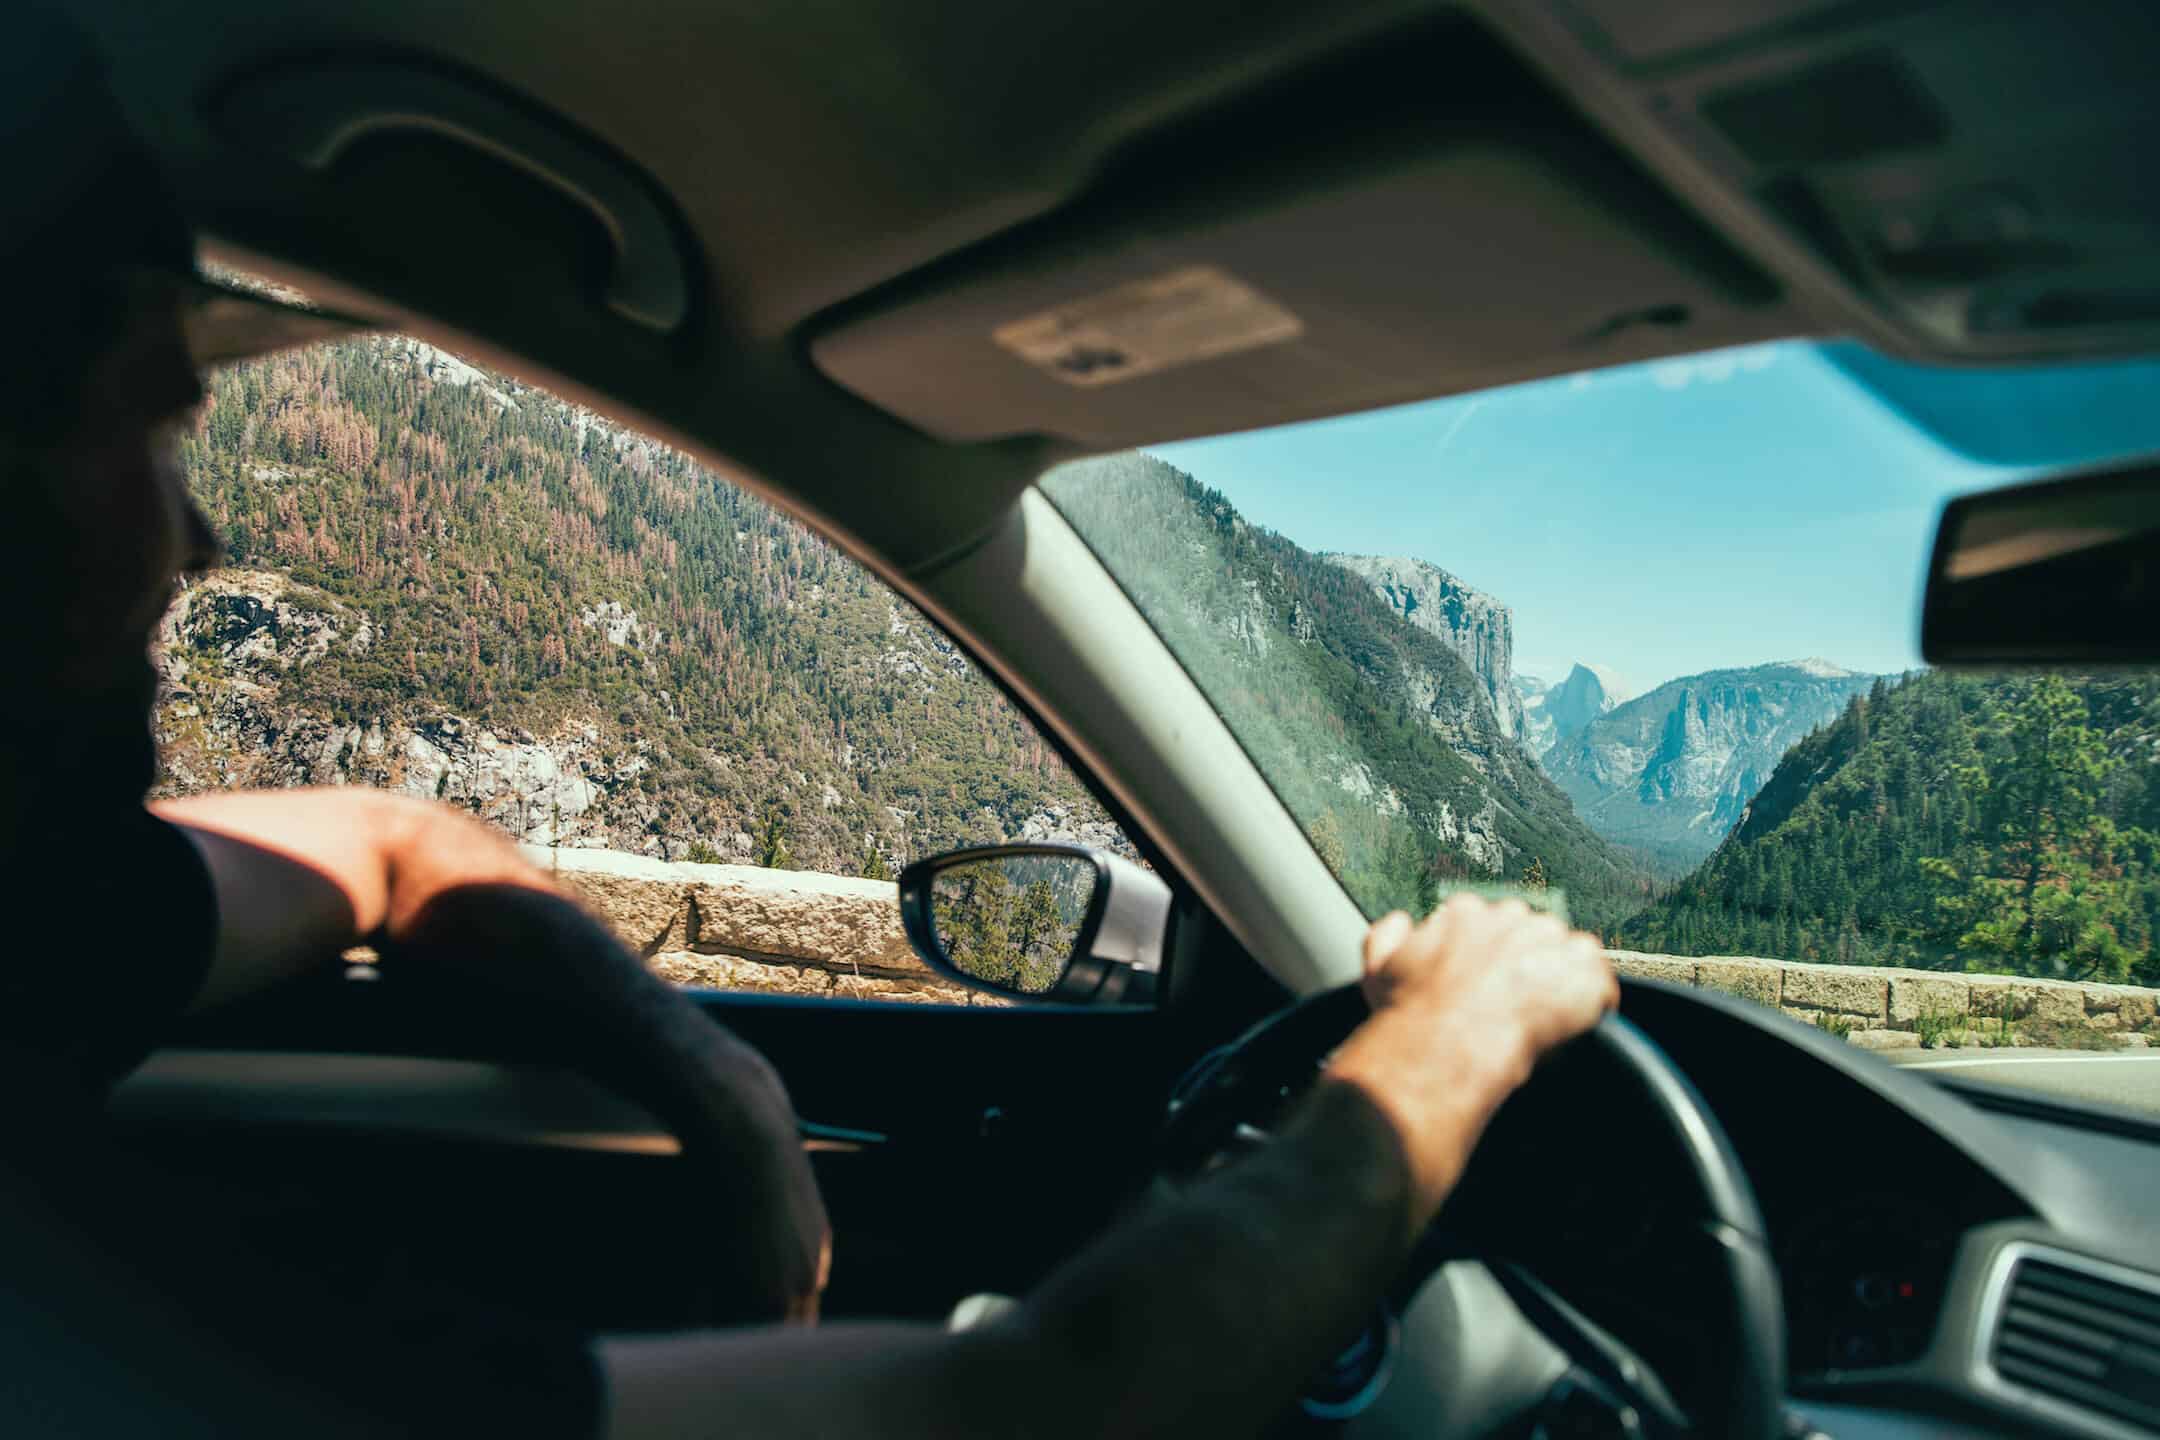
[[1193, 314]]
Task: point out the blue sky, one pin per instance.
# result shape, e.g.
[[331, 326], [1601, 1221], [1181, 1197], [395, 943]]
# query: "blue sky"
[[1662, 519]]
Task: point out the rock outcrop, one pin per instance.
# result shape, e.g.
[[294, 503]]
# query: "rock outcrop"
[[230, 640], [233, 654], [1669, 774], [1474, 624]]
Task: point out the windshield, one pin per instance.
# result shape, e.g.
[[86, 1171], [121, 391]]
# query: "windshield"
[[1643, 641]]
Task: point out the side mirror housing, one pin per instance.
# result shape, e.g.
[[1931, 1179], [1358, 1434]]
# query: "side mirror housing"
[[1066, 924], [2063, 571]]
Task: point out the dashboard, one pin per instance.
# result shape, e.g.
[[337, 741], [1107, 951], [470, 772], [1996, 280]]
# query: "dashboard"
[[1976, 1256], [1864, 1283], [1942, 1258]]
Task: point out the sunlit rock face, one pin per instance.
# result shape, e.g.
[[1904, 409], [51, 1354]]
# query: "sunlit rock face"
[[1552, 713], [234, 638], [1475, 625]]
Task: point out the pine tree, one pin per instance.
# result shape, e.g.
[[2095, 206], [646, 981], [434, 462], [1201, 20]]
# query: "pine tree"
[[772, 843], [874, 866]]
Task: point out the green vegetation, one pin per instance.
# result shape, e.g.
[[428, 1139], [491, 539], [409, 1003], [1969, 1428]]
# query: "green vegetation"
[[1940, 1030], [771, 687], [1012, 922], [2004, 824], [1375, 734]]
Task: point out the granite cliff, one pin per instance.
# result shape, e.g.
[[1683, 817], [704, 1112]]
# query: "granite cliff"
[[1471, 623], [1669, 774]]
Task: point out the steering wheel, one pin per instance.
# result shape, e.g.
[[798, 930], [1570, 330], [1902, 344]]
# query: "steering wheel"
[[1474, 1334]]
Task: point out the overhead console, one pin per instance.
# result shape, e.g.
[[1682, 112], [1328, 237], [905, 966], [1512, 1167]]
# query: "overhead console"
[[1979, 177], [1503, 191]]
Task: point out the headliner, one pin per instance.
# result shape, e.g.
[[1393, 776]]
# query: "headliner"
[[856, 196]]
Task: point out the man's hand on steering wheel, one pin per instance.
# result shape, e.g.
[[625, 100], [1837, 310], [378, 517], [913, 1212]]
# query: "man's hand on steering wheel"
[[302, 874], [1464, 1005]]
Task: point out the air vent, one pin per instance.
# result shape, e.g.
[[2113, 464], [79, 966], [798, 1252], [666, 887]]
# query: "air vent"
[[2070, 1331]]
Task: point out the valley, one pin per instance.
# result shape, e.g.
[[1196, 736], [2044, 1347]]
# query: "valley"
[[443, 582]]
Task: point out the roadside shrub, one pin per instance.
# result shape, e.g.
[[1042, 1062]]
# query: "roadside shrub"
[[1836, 1025], [700, 852], [1940, 1030]]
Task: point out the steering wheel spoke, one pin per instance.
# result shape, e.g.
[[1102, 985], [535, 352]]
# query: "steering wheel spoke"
[[1559, 1370], [1610, 1390]]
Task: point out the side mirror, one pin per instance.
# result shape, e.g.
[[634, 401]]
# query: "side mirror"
[[1059, 923], [2063, 571]]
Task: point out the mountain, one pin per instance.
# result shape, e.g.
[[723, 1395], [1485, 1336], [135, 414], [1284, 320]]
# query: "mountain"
[[445, 582], [1670, 773], [1471, 623], [1553, 713], [1375, 730], [1999, 823]]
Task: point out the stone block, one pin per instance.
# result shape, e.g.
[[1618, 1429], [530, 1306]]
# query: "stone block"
[[849, 924], [732, 972], [1993, 997], [1912, 996], [906, 992], [2135, 1008], [647, 915], [1653, 967], [1885, 1039], [1756, 980], [1848, 991], [2057, 1002]]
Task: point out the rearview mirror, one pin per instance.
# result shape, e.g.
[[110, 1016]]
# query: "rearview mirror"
[[2064, 571], [1062, 923]]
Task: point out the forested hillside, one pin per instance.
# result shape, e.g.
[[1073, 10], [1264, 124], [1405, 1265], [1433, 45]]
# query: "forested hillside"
[[2004, 823], [1374, 731], [452, 584]]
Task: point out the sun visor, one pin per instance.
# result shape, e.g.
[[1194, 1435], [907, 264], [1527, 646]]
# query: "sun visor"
[[1485, 263], [1416, 219]]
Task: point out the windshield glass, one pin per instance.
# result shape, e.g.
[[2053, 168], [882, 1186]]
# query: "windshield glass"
[[1644, 641]]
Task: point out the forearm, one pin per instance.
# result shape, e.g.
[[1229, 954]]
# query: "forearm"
[[303, 874], [1209, 1314], [1206, 1315], [1202, 1316]]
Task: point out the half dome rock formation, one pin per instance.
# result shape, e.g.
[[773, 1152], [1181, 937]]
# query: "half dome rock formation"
[[1669, 774]]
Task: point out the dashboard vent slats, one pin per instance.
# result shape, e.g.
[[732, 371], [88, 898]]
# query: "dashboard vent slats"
[[2080, 1339]]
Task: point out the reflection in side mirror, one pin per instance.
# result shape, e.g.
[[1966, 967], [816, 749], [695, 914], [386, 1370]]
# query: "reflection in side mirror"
[[1011, 922], [1048, 922], [2065, 571]]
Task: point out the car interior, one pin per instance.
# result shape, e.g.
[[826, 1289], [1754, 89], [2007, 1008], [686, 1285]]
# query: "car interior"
[[842, 254]]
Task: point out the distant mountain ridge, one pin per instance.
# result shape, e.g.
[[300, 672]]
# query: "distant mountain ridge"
[[1995, 823], [1374, 728], [1669, 774]]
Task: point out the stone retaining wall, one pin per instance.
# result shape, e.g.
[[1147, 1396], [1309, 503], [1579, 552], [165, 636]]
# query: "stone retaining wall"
[[740, 927], [796, 932], [1886, 1009]]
